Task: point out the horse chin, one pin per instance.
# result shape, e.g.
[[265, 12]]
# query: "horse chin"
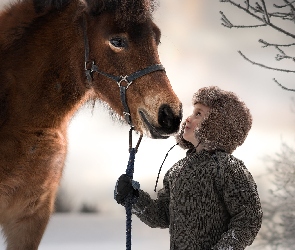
[[154, 131]]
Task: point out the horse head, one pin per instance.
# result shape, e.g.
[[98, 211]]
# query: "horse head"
[[119, 38], [123, 39]]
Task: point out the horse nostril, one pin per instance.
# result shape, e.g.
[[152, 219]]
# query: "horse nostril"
[[168, 120], [166, 116]]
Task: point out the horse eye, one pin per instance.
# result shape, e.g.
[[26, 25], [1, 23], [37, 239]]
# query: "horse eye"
[[118, 42]]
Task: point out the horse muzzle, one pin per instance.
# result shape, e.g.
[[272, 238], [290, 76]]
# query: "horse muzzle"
[[168, 122]]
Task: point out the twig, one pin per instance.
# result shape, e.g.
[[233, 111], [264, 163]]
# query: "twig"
[[264, 66], [283, 87], [261, 13], [241, 7], [283, 55], [265, 12], [277, 46], [284, 16], [272, 44], [247, 4], [283, 6], [290, 4], [258, 9], [225, 21], [228, 24]]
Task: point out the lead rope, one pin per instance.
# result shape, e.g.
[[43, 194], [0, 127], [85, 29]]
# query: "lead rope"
[[155, 189], [130, 199]]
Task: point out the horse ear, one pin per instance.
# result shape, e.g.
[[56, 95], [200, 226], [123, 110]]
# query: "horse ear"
[[42, 6]]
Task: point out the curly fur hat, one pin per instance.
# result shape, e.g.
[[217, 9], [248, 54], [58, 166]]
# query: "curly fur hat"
[[227, 124]]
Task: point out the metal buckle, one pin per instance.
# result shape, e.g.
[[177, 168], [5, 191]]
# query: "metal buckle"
[[124, 78], [89, 65]]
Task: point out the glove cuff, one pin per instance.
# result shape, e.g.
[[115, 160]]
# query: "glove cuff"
[[135, 185]]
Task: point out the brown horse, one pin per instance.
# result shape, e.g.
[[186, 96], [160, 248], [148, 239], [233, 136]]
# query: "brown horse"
[[54, 56]]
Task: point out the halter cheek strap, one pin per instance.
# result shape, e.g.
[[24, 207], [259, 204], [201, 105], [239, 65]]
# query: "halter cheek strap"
[[90, 67], [128, 79]]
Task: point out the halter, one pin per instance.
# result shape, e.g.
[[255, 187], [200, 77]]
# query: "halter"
[[91, 67]]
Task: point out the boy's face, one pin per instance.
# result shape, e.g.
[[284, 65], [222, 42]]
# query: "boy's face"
[[200, 113]]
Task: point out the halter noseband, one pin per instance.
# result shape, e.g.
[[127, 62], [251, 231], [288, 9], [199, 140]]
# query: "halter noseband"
[[91, 67]]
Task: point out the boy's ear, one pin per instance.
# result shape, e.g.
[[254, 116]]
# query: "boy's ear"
[[42, 6]]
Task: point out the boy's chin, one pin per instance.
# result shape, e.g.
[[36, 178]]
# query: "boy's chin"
[[191, 140]]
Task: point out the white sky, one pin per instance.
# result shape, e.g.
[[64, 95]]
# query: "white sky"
[[196, 51]]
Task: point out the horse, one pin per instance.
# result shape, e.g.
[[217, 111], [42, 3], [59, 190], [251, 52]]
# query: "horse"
[[55, 55]]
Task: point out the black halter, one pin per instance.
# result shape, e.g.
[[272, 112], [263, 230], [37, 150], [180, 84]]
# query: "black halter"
[[91, 67]]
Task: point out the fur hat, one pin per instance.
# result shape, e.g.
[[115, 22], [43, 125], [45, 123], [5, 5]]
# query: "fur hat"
[[227, 125]]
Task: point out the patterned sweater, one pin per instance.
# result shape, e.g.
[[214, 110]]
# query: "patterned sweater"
[[208, 201]]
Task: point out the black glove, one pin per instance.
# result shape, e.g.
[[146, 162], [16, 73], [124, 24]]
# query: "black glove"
[[125, 189]]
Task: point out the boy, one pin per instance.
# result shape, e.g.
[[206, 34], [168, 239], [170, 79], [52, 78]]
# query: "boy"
[[209, 199]]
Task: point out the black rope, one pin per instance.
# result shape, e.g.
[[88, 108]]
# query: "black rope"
[[164, 161], [130, 199], [162, 166]]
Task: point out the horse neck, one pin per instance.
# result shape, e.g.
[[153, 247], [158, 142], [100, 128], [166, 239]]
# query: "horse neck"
[[43, 72]]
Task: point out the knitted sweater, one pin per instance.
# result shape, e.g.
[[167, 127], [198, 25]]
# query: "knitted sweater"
[[208, 201]]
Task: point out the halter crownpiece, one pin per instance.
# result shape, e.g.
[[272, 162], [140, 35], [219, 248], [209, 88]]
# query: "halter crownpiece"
[[90, 67]]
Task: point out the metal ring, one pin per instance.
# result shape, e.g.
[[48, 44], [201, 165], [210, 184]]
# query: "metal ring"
[[87, 63], [124, 78]]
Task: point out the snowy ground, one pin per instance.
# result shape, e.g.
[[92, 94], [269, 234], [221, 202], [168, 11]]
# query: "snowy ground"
[[97, 232], [100, 232]]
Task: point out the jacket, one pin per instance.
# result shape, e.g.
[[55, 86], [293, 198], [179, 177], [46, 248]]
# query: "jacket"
[[209, 200]]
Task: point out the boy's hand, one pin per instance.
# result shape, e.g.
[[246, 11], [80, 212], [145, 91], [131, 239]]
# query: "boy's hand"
[[126, 189]]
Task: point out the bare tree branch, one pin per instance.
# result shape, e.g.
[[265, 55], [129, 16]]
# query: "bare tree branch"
[[281, 56], [283, 87], [260, 12], [247, 9], [265, 12], [283, 6], [272, 44], [228, 24], [225, 21], [259, 9], [264, 66]]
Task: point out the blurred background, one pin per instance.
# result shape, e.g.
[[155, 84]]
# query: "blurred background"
[[196, 51]]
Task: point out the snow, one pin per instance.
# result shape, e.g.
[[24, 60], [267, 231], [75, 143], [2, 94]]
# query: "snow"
[[92, 232]]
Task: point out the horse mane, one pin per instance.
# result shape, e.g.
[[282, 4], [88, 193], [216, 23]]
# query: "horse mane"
[[125, 10], [42, 5], [20, 14]]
